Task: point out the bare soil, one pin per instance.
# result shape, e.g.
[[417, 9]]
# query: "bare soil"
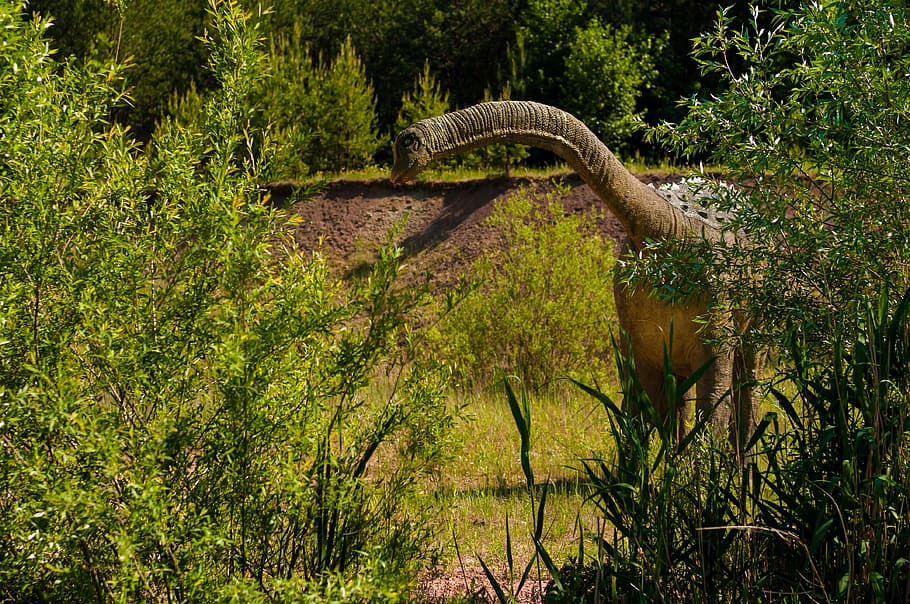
[[441, 235], [350, 219]]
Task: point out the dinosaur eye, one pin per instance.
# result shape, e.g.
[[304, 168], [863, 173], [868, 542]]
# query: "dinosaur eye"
[[411, 141]]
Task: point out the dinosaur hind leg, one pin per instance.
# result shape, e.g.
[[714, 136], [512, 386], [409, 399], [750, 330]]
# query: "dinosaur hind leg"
[[653, 382], [713, 391], [748, 364]]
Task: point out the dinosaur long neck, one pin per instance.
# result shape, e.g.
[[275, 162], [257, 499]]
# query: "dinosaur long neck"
[[643, 213]]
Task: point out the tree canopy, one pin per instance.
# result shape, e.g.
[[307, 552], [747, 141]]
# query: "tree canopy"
[[609, 61]]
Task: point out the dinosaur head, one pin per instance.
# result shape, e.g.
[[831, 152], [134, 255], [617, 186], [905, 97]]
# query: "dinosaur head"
[[411, 155]]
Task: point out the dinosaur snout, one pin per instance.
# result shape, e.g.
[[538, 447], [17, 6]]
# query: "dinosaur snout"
[[408, 153], [400, 168]]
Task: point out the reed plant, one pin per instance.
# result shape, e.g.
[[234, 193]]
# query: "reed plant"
[[819, 512]]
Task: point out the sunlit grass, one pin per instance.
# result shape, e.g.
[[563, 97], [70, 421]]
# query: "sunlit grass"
[[564, 426], [484, 486], [445, 174]]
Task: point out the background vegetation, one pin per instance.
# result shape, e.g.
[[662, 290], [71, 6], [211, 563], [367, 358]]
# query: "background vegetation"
[[338, 71], [537, 305]]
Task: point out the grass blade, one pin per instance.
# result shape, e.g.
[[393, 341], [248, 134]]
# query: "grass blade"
[[522, 415], [497, 588]]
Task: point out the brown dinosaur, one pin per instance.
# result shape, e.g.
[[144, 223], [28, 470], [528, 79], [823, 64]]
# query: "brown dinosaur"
[[647, 215]]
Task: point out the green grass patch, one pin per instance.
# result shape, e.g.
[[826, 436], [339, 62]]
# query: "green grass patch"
[[484, 485]]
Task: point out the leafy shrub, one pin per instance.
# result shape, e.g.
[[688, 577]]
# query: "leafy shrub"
[[540, 304], [321, 116], [185, 410], [819, 159], [605, 73]]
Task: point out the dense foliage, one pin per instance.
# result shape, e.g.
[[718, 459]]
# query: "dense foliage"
[[319, 114], [188, 409], [812, 126], [539, 303], [604, 77], [609, 61]]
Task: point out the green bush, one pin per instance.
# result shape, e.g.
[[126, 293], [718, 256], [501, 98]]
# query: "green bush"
[[605, 73], [540, 304], [186, 409], [321, 116], [810, 130]]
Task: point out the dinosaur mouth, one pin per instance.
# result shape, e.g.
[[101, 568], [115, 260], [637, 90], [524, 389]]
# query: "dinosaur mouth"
[[397, 176], [402, 175], [404, 168]]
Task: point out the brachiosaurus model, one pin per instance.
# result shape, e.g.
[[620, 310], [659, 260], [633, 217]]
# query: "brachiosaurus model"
[[646, 215]]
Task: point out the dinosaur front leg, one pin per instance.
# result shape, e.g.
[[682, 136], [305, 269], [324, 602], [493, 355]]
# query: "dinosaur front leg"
[[652, 378]]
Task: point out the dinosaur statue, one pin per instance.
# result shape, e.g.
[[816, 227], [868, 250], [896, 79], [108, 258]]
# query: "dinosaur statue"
[[646, 214]]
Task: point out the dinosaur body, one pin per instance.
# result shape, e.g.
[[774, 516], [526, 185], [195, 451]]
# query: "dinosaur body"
[[645, 214]]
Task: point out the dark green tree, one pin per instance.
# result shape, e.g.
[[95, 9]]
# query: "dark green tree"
[[320, 115], [605, 73], [81, 28], [162, 40], [425, 100], [159, 38], [464, 43], [545, 37]]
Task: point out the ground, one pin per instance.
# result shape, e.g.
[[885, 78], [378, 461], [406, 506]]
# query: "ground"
[[348, 220], [351, 219]]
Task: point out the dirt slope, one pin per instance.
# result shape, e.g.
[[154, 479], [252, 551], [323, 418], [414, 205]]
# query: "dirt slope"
[[440, 234]]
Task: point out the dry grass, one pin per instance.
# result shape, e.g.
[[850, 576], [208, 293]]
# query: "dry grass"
[[636, 164]]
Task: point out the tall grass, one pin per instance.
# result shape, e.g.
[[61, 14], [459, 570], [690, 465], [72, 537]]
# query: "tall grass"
[[819, 512]]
